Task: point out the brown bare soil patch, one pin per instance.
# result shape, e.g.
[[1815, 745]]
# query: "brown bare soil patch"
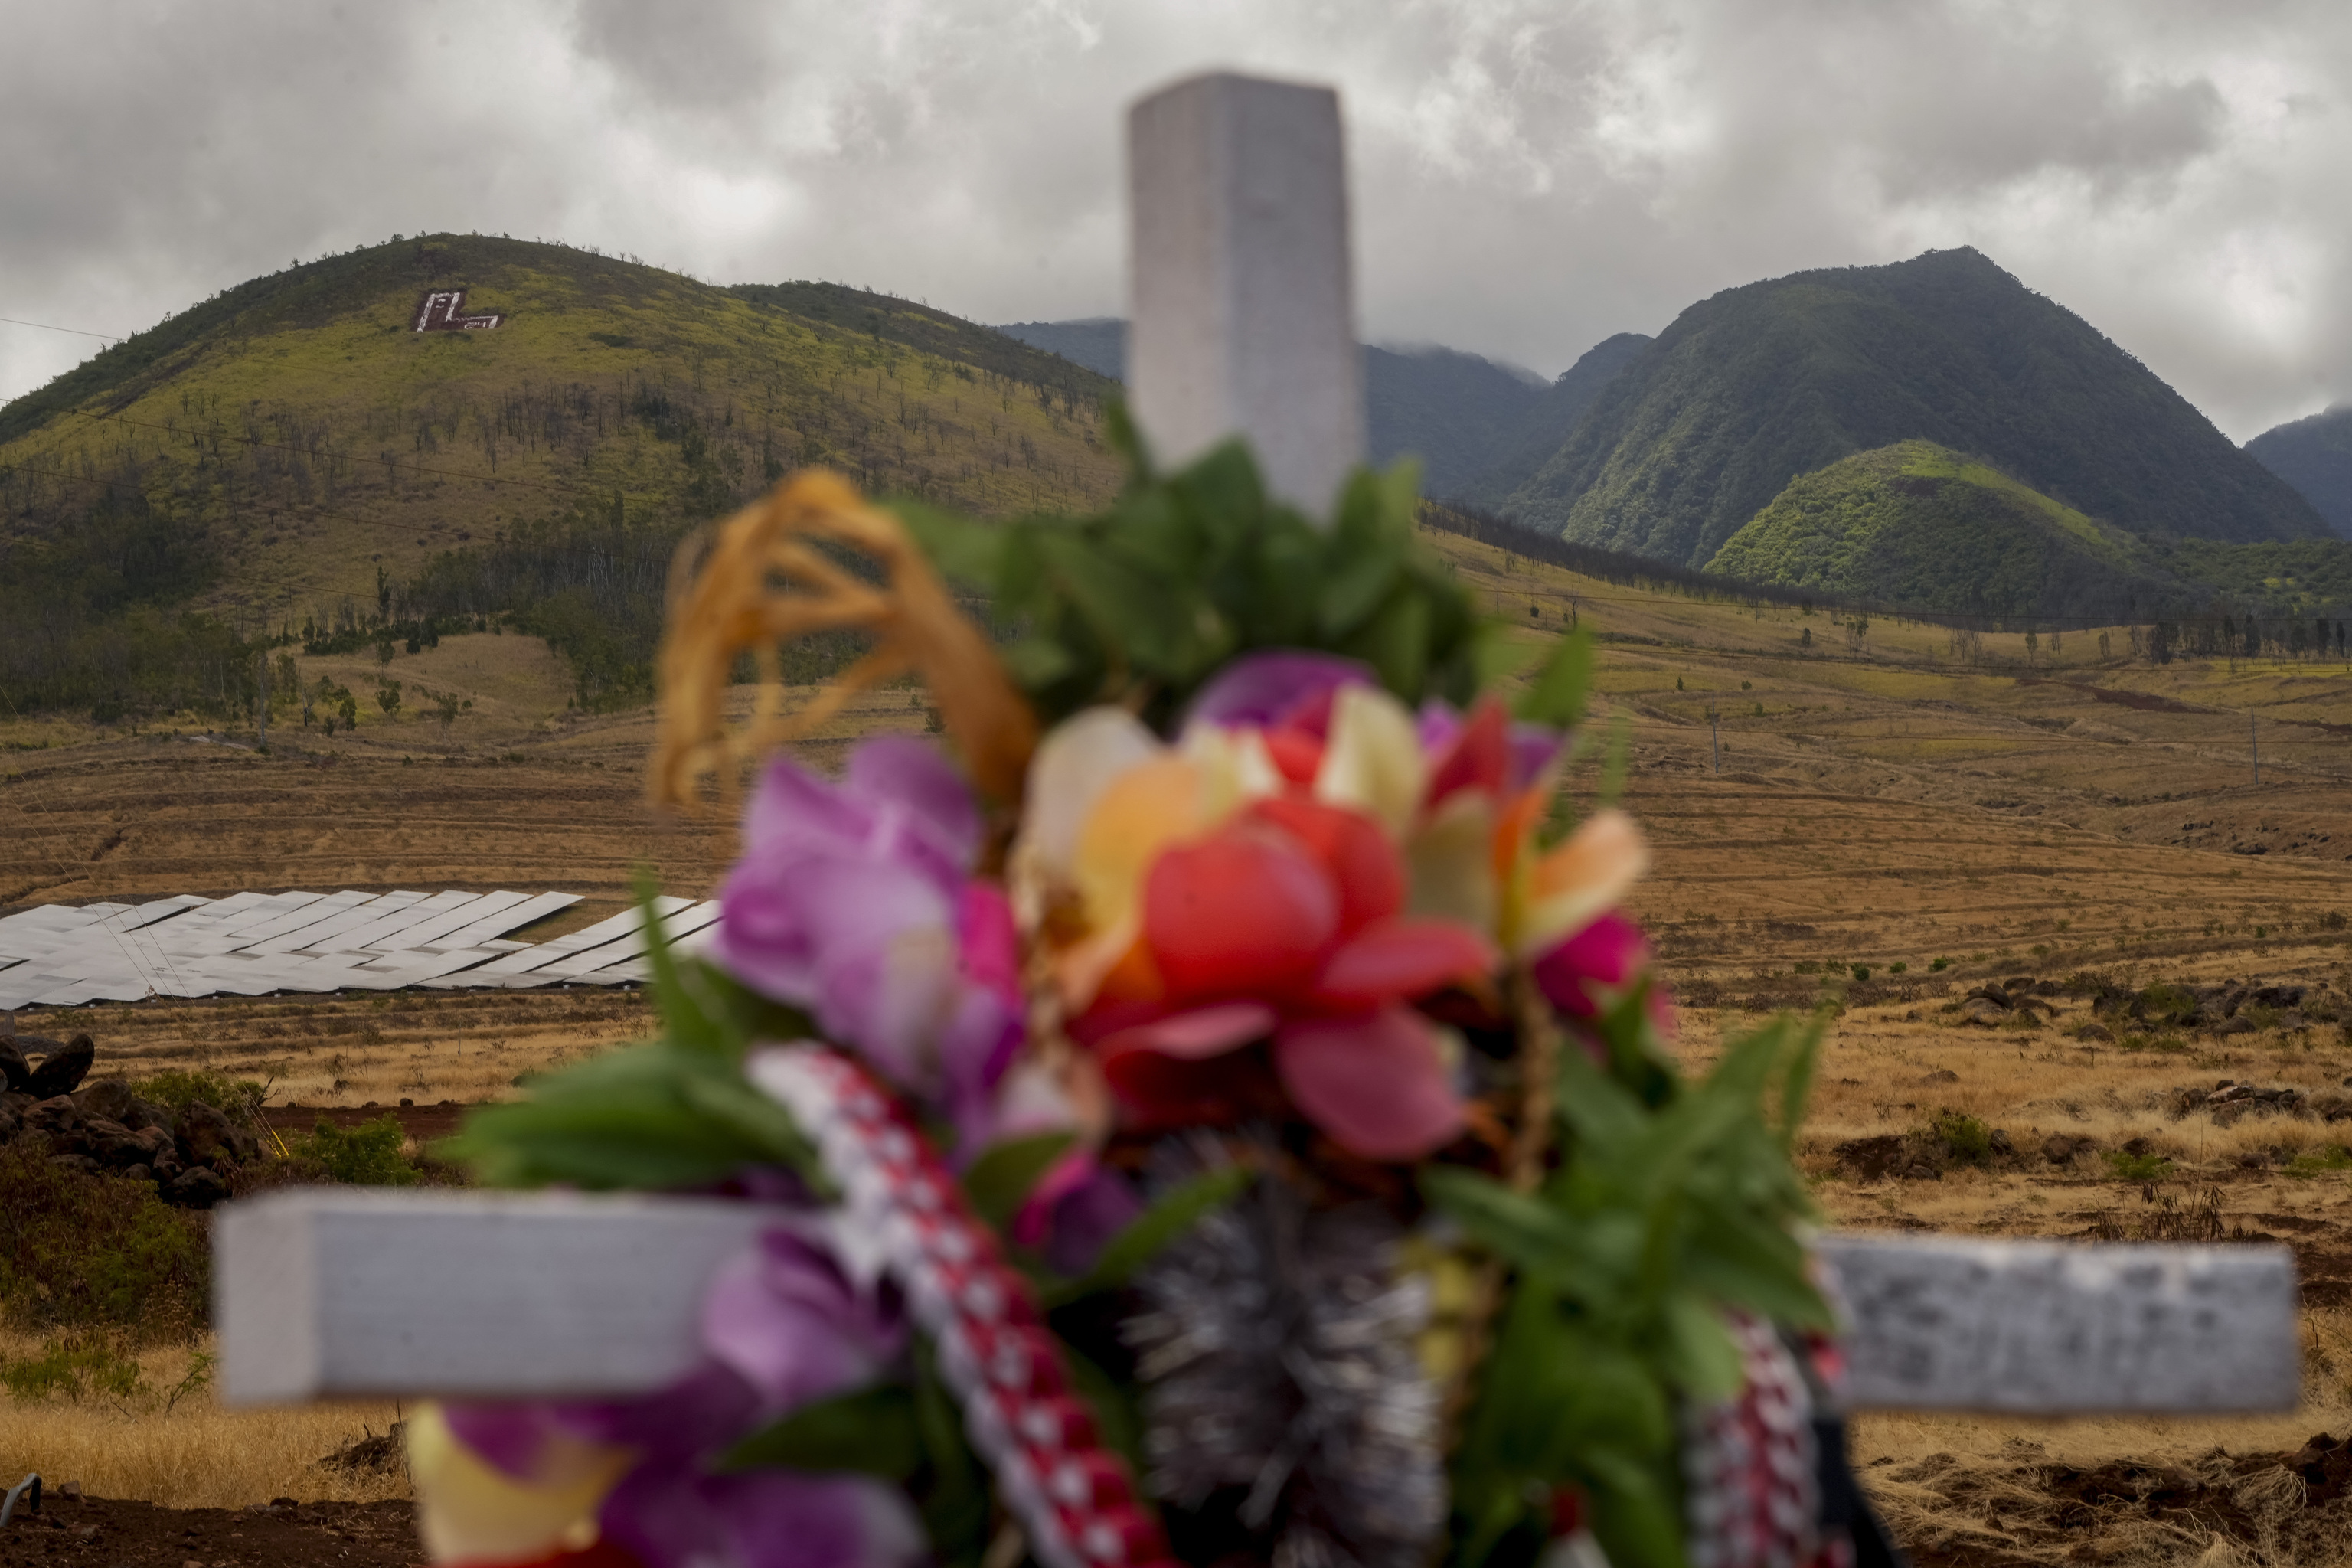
[[286, 1534]]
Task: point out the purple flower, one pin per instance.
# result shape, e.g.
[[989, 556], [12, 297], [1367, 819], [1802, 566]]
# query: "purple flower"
[[1534, 748], [1264, 688], [784, 1326], [853, 900]]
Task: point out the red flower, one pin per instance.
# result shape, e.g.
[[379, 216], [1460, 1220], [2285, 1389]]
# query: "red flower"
[[1287, 923]]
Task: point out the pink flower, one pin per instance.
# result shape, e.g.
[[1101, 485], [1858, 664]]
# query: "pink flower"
[[1607, 956]]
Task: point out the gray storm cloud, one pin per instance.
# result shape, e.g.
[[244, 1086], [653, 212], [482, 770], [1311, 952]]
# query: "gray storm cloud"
[[1529, 177]]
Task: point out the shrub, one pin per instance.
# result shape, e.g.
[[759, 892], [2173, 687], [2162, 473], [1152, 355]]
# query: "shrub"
[[80, 1251], [2320, 1162], [75, 1366], [2165, 1005], [1807, 966], [1861, 972], [1965, 1138], [177, 1090], [2129, 1167], [1898, 967], [1939, 966], [2332, 920], [368, 1155]]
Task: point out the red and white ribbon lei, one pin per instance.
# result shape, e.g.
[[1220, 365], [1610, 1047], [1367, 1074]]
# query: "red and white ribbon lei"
[[902, 1216]]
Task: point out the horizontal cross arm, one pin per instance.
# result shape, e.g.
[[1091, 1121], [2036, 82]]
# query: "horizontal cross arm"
[[333, 1293]]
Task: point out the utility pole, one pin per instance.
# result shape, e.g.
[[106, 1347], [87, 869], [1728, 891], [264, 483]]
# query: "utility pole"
[[2255, 744], [1714, 737]]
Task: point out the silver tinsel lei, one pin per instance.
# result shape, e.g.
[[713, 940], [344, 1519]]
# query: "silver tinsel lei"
[[1275, 1350]]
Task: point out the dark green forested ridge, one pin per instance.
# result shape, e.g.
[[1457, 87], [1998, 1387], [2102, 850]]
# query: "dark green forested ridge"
[[1919, 525], [1759, 384], [1520, 450], [2315, 456]]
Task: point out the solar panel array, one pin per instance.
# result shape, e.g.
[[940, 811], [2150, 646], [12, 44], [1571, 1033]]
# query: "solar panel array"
[[249, 944]]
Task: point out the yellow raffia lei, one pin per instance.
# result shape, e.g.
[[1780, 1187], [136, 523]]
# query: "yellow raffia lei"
[[759, 580]]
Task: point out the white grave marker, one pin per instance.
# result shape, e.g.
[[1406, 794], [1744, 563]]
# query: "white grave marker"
[[1242, 324]]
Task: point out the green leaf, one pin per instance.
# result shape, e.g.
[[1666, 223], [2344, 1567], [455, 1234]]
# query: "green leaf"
[[1037, 661], [1700, 1355], [954, 1498], [1635, 1515], [1368, 541], [759, 1122], [1796, 1088], [872, 1431], [1124, 608], [684, 1022], [1113, 1405], [1525, 1232], [1557, 695], [751, 1016], [963, 550], [1001, 1180], [1616, 761], [1175, 1212], [1395, 641]]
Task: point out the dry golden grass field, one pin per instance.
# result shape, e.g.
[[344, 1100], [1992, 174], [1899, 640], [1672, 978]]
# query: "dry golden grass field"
[[1939, 815]]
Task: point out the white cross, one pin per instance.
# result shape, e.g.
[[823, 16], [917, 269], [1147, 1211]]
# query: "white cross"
[[1242, 324]]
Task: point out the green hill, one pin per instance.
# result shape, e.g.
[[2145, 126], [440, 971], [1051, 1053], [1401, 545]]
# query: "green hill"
[[293, 451], [1914, 523], [1919, 525], [1759, 384], [2315, 456]]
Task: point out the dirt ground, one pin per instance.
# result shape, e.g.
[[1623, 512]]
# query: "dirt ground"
[[68, 1532], [1882, 821]]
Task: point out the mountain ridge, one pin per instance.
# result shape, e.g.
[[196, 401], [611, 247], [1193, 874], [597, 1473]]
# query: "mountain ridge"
[[1462, 415], [2315, 456], [1758, 384]]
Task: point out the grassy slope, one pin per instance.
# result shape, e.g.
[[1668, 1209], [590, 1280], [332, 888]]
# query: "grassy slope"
[[311, 434], [1748, 389], [1914, 524]]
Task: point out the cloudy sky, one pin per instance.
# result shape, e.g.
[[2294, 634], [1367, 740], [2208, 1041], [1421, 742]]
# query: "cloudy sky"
[[1528, 176]]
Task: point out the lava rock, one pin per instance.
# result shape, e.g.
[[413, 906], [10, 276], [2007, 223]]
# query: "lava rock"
[[2061, 1149], [1941, 1075], [110, 1098], [1984, 1013], [112, 1144], [207, 1137], [59, 1121], [62, 1070], [195, 1188], [14, 1067]]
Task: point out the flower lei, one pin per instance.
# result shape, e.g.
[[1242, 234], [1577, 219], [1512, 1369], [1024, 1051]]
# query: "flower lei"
[[1225, 1118]]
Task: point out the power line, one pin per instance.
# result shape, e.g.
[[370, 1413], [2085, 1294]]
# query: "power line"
[[77, 332]]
